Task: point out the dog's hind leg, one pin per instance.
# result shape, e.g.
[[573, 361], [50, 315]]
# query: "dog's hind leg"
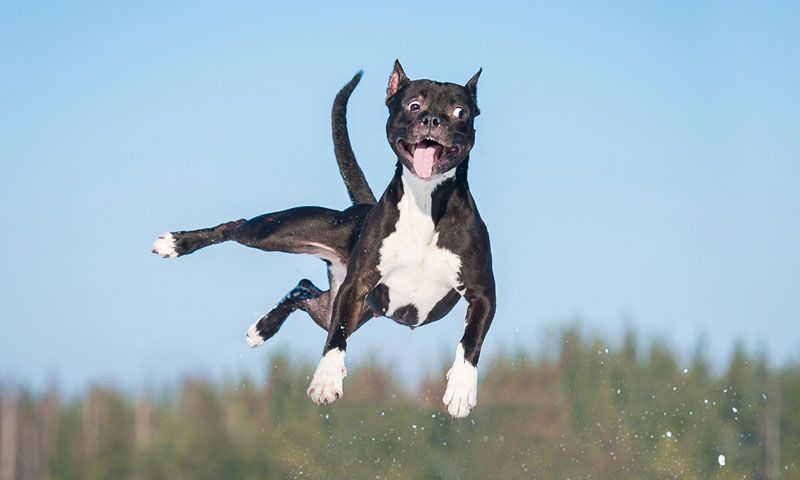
[[326, 233], [305, 296]]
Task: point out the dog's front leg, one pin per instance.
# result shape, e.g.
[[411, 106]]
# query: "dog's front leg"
[[461, 394], [348, 314]]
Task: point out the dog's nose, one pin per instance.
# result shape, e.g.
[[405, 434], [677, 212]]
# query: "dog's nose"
[[431, 120]]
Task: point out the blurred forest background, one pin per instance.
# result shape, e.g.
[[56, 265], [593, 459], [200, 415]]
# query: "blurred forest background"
[[586, 409]]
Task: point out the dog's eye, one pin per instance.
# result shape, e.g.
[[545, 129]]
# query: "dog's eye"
[[414, 105], [459, 113]]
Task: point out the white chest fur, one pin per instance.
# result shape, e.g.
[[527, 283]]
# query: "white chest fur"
[[417, 270]]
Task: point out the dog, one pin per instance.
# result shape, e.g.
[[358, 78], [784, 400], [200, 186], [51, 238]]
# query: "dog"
[[409, 256]]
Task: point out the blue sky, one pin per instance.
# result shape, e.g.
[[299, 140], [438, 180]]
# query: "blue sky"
[[637, 165]]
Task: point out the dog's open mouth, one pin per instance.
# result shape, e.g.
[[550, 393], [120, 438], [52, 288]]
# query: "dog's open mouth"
[[426, 154]]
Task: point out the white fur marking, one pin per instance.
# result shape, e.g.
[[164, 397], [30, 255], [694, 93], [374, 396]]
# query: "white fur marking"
[[337, 268], [164, 246], [461, 394], [338, 272], [254, 339], [326, 386], [417, 270]]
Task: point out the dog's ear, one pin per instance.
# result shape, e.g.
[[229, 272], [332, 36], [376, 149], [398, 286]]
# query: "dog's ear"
[[396, 81], [472, 85], [472, 88]]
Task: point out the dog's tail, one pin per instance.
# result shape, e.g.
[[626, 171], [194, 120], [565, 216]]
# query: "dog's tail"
[[354, 180]]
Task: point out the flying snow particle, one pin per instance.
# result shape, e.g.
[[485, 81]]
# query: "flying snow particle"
[[721, 460], [685, 370], [734, 410], [669, 434]]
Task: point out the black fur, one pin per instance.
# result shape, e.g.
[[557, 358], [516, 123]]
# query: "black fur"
[[354, 180]]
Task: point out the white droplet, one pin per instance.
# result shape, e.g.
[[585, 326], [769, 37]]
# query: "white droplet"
[[721, 460], [734, 410], [669, 434], [685, 370]]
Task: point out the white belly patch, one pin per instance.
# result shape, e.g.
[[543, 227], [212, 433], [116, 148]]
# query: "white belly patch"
[[414, 268]]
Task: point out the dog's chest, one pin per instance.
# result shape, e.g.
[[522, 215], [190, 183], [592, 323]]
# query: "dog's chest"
[[416, 270]]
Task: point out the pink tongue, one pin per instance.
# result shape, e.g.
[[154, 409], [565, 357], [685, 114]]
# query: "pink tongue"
[[423, 161]]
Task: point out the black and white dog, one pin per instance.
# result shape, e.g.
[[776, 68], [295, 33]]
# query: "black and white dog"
[[409, 256]]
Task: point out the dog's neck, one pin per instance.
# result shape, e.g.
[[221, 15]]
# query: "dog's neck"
[[421, 190]]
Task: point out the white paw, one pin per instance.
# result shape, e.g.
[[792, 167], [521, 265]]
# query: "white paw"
[[254, 339], [326, 386], [461, 394], [164, 246]]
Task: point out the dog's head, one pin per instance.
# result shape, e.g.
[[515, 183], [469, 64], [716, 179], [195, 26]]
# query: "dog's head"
[[430, 125]]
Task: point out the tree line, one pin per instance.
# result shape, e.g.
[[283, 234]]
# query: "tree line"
[[586, 410]]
